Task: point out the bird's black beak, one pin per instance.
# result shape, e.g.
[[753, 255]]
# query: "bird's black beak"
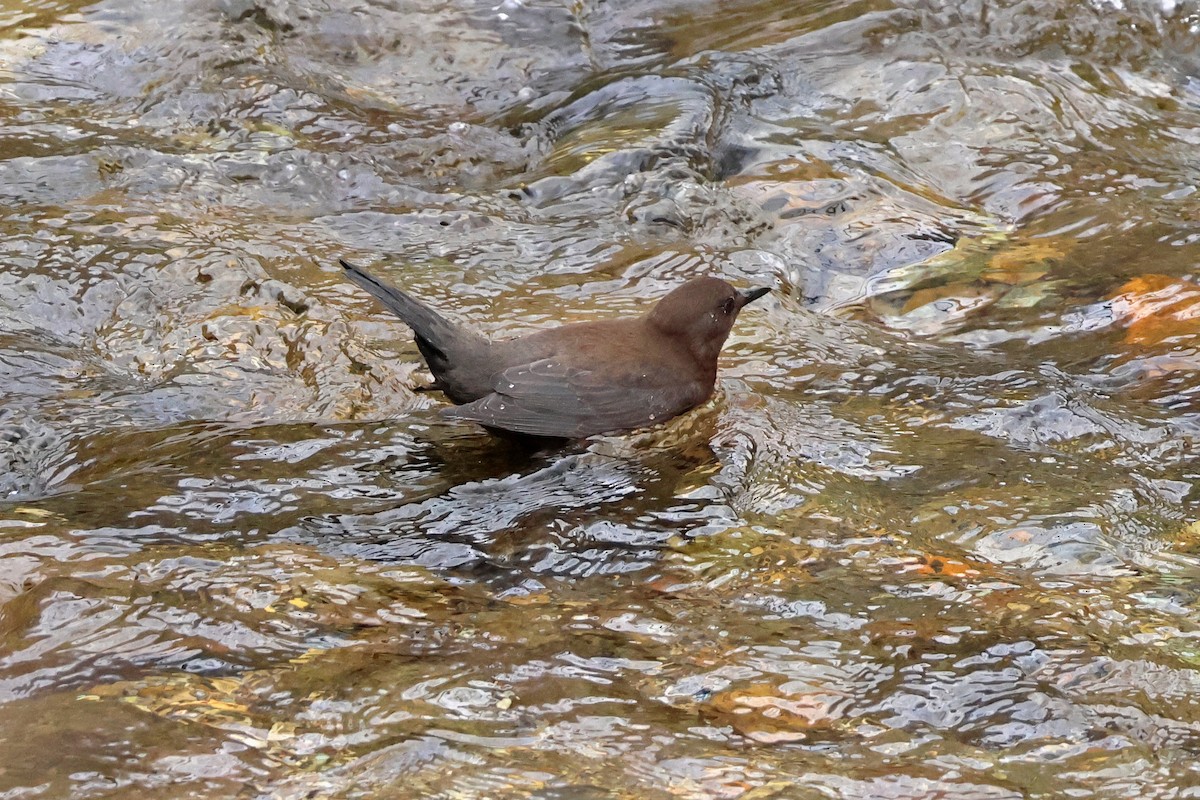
[[750, 296]]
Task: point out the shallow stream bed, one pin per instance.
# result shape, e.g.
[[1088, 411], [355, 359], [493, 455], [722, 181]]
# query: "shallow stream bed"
[[935, 536]]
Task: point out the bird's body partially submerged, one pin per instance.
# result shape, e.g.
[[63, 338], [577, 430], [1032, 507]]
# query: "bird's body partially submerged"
[[581, 379]]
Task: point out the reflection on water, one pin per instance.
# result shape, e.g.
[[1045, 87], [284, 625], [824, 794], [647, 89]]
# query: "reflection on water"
[[935, 536]]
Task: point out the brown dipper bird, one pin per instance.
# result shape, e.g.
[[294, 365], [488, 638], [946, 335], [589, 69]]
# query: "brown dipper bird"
[[581, 379]]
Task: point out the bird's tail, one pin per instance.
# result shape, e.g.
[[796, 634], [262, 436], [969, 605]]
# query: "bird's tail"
[[426, 323]]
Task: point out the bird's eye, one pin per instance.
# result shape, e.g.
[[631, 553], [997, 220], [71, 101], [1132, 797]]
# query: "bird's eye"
[[727, 306]]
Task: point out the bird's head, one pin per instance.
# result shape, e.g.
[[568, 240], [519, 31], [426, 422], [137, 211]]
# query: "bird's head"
[[701, 313]]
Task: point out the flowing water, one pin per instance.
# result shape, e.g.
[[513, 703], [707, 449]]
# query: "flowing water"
[[934, 537]]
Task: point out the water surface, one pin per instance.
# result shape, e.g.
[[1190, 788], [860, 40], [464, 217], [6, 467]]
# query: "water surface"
[[934, 537]]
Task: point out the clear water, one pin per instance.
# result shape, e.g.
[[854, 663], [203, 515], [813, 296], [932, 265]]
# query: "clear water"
[[934, 537]]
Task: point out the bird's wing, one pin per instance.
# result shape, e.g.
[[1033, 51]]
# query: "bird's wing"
[[550, 398]]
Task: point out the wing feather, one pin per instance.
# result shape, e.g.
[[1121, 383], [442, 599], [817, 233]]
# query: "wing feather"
[[550, 398]]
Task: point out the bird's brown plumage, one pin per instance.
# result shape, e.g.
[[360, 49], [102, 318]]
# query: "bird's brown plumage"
[[581, 379]]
